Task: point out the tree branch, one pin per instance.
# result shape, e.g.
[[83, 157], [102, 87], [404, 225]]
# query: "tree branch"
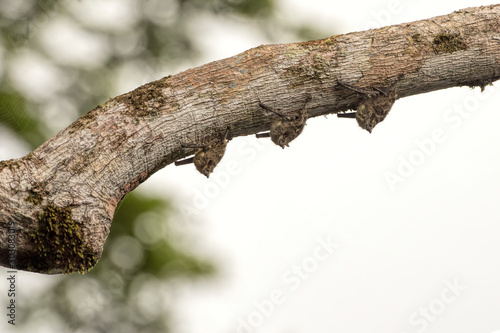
[[57, 203]]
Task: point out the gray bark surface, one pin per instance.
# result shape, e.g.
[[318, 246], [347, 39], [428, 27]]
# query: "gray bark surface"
[[57, 203]]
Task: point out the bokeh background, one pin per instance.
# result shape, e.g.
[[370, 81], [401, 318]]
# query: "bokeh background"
[[397, 231]]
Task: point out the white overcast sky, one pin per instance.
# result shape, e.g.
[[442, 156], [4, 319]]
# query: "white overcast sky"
[[420, 256], [314, 238]]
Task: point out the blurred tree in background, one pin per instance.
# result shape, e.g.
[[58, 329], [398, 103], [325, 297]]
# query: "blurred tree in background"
[[59, 59]]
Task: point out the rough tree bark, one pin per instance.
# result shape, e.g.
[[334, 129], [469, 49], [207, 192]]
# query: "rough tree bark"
[[57, 203]]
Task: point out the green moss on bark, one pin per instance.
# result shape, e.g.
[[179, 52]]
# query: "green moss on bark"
[[10, 164], [145, 100], [448, 43], [59, 243], [34, 197]]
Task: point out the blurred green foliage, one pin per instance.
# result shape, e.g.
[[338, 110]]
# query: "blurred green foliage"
[[127, 290], [131, 287], [15, 115]]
